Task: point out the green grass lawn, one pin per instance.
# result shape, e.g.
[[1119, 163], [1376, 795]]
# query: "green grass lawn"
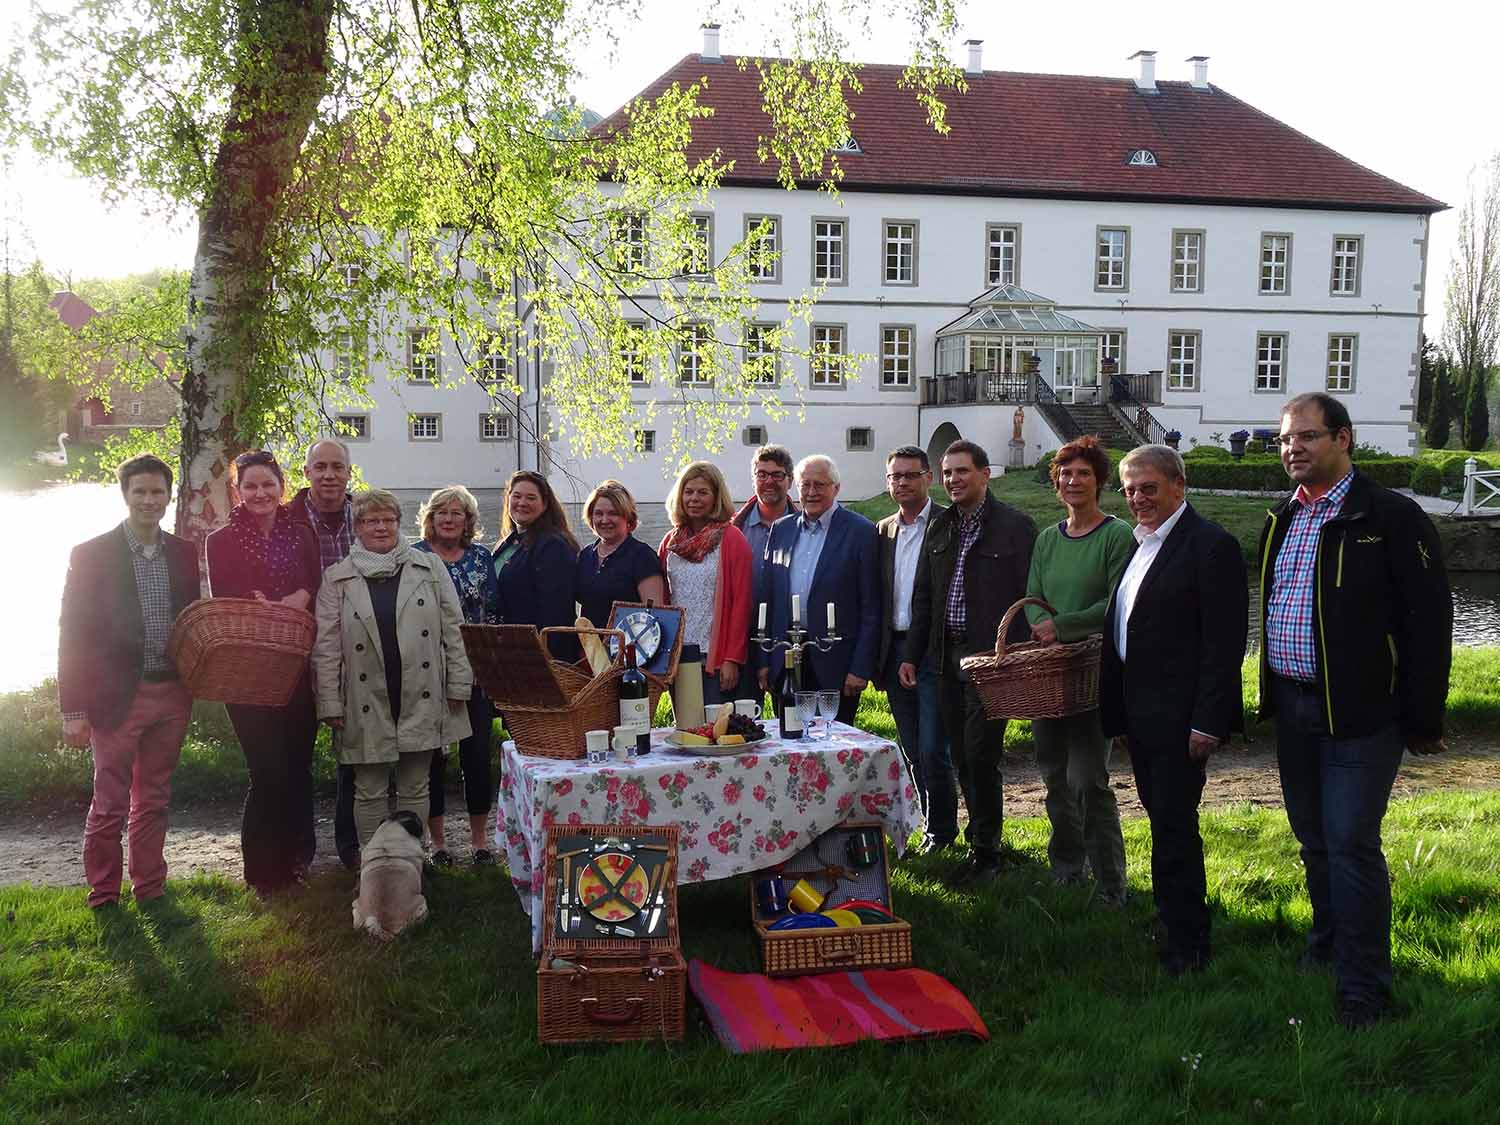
[[210, 1006]]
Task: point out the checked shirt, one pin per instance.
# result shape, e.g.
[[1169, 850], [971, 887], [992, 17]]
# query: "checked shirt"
[[968, 534], [1290, 644], [154, 586], [335, 545]]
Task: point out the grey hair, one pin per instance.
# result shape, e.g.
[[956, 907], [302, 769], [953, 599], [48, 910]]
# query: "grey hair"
[[375, 498], [343, 445], [819, 459], [1163, 458]]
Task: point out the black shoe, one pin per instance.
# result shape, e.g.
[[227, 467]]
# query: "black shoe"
[[1179, 964], [483, 857], [934, 844], [1357, 1012], [349, 857], [441, 858], [976, 871]]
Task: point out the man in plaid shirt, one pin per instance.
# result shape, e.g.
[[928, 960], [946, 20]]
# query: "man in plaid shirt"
[[1358, 627]]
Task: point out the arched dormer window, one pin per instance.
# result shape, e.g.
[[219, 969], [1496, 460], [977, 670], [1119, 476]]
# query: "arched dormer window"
[[1141, 158]]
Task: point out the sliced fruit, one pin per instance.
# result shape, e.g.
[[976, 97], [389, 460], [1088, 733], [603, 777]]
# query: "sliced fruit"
[[688, 738], [731, 740], [721, 726]]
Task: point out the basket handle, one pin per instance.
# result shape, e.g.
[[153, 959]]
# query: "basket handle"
[[577, 632], [590, 1007], [1010, 615], [832, 954]]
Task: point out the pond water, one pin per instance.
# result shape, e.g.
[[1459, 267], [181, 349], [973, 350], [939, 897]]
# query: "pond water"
[[49, 522]]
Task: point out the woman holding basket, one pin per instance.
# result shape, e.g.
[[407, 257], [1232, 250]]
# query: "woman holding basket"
[[1074, 565], [262, 553]]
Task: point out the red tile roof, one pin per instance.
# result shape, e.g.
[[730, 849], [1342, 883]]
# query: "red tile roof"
[[1052, 136]]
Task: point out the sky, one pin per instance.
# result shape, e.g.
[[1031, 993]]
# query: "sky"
[[1406, 90]]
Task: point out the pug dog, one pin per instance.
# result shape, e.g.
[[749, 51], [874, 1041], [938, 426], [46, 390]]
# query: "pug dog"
[[390, 878]]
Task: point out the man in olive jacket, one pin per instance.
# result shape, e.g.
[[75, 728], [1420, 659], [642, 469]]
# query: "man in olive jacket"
[[973, 568], [1358, 625]]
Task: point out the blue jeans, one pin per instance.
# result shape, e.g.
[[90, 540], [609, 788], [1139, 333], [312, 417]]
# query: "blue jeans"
[[1336, 791], [919, 726]]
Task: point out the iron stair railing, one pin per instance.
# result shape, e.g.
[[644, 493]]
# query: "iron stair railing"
[[1133, 412]]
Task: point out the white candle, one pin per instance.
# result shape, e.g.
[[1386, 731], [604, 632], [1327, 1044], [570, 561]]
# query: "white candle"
[[796, 609], [762, 617], [831, 628]]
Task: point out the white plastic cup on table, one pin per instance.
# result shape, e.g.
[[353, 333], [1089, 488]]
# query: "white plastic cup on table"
[[597, 742], [624, 742]]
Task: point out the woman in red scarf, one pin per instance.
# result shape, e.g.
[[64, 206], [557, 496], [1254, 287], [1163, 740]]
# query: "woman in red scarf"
[[263, 554], [707, 563]]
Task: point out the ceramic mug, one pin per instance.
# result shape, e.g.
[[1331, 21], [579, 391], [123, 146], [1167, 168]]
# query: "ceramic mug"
[[747, 707], [770, 894], [862, 848]]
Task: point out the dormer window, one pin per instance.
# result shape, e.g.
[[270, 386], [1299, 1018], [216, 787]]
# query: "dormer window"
[[850, 145], [1141, 158]]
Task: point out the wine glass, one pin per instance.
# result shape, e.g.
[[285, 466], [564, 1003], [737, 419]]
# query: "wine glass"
[[828, 708], [807, 710]]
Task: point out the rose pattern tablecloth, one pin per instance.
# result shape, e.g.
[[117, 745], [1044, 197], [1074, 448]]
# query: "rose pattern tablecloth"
[[735, 814]]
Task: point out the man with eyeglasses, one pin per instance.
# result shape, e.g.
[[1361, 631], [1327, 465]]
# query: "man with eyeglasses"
[[1169, 683], [327, 507], [1358, 625], [826, 558], [770, 482], [918, 711]]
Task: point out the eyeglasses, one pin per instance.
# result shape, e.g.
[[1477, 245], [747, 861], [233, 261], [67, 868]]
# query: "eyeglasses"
[[761, 474], [1149, 491], [1302, 437], [255, 457], [897, 478], [380, 521], [814, 485]]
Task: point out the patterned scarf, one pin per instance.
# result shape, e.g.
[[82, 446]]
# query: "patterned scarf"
[[368, 564], [695, 547], [274, 556]]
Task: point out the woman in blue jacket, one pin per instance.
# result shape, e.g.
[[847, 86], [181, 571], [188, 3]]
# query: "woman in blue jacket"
[[535, 560]]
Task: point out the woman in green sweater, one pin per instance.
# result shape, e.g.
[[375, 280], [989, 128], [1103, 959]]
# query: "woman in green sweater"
[[1074, 565]]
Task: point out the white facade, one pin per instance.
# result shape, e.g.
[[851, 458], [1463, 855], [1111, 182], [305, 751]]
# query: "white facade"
[[1236, 336]]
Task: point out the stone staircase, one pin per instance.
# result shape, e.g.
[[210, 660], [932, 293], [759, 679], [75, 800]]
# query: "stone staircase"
[[1099, 419]]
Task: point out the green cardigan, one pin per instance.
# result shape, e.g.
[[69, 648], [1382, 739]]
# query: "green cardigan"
[[1075, 576]]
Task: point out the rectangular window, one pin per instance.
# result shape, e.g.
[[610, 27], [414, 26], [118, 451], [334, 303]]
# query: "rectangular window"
[[1187, 261], [353, 427], [1182, 360], [1275, 263], [421, 355], [632, 355], [135, 409], [1112, 346], [753, 435], [424, 427], [349, 353], [491, 368], [859, 439], [1270, 361], [830, 240], [900, 253], [628, 241], [494, 427], [1346, 255], [1002, 254], [349, 273], [692, 355], [698, 261], [1112, 258], [1341, 351], [827, 343], [764, 248], [895, 356], [760, 362], [645, 441]]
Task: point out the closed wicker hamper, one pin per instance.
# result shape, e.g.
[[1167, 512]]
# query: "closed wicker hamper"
[[240, 650]]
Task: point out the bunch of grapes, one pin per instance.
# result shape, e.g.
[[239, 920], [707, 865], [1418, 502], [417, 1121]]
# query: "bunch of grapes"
[[745, 725]]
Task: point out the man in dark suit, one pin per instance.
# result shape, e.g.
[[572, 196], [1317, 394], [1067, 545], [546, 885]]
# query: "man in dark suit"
[[119, 691], [973, 568], [918, 711], [826, 558], [1174, 639]]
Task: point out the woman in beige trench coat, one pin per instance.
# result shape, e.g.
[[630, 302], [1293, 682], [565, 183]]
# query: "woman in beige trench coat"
[[389, 667]]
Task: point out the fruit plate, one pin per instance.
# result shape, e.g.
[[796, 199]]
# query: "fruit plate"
[[713, 749]]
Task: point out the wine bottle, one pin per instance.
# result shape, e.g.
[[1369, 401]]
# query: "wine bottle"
[[635, 702], [791, 722]]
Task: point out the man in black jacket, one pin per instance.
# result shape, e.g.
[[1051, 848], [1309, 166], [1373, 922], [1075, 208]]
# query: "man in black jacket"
[[1358, 626], [973, 567], [1174, 639]]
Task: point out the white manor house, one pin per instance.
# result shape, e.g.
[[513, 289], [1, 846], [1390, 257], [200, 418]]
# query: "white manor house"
[[1127, 256]]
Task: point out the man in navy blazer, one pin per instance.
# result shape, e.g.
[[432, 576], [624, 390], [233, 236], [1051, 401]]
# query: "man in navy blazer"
[[1174, 639], [825, 555]]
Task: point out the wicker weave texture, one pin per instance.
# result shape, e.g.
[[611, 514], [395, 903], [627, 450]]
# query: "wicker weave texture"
[[240, 650], [1035, 681]]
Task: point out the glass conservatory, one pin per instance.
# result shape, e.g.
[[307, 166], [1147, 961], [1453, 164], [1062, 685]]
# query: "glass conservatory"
[[1010, 334]]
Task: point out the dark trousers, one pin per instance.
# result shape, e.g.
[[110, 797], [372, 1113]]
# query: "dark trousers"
[[345, 835], [918, 713], [848, 704], [1170, 785], [473, 759], [978, 747], [276, 825], [1336, 791]]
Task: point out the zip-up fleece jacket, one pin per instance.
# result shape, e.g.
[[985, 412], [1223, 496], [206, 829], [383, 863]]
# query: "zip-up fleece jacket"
[[1382, 614]]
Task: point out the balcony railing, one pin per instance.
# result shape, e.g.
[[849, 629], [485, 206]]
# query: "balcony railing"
[[1012, 389]]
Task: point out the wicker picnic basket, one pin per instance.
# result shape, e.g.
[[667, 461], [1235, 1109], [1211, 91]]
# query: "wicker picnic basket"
[[657, 683], [241, 650], [609, 988], [1034, 681], [549, 705]]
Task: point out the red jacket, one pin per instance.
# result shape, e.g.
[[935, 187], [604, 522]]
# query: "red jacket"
[[729, 633]]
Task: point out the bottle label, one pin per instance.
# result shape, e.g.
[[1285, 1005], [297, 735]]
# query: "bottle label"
[[635, 713], [790, 719]]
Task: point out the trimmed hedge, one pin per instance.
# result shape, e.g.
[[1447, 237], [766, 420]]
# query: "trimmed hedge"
[[1427, 479]]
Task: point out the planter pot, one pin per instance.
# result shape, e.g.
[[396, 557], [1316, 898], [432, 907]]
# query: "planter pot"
[[1172, 437], [1237, 443]]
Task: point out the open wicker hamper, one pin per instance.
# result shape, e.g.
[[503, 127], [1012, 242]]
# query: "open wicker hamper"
[[610, 987], [241, 650], [823, 863]]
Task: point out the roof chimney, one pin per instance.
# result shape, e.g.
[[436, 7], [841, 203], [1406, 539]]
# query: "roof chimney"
[[1200, 71], [1146, 83], [976, 56], [711, 43]]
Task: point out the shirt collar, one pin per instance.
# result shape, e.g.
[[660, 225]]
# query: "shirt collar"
[[754, 519], [970, 521], [1334, 495], [822, 521], [925, 513], [1161, 533], [135, 545]]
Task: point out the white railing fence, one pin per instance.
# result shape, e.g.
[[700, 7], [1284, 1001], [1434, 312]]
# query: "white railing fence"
[[1481, 490]]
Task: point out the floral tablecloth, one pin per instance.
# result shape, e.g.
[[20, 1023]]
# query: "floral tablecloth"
[[736, 814]]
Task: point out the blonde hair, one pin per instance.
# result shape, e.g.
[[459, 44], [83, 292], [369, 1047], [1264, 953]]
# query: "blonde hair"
[[618, 495], [374, 498], [723, 509], [441, 499]]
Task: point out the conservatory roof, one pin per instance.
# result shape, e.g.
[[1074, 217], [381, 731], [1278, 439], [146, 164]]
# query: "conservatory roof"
[[1009, 308]]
